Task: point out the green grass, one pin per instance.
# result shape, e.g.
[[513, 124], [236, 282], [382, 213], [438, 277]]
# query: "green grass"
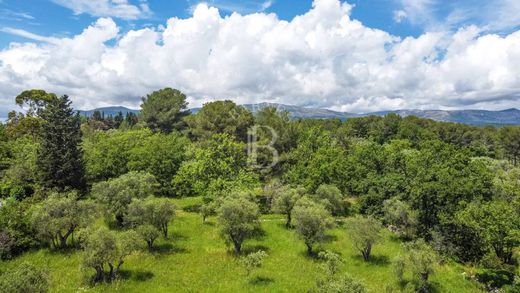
[[195, 259]]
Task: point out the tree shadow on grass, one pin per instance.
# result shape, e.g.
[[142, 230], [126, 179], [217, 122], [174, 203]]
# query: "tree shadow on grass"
[[209, 223], [137, 275], [168, 248], [261, 281], [330, 238], [254, 248], [177, 236], [378, 260]]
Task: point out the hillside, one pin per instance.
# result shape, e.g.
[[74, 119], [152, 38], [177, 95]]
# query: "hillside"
[[471, 117]]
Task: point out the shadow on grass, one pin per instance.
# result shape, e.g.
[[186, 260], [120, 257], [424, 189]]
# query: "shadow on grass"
[[176, 236], [138, 275], [167, 248], [261, 281], [330, 238], [209, 223], [67, 251], [378, 260], [254, 248]]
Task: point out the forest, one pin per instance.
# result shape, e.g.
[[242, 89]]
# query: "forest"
[[227, 200]]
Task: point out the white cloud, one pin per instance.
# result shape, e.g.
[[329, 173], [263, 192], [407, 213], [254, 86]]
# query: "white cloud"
[[243, 7], [9, 14], [399, 15], [29, 35], [108, 8], [322, 58]]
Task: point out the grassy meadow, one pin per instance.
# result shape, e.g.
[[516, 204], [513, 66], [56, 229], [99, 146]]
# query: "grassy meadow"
[[196, 259]]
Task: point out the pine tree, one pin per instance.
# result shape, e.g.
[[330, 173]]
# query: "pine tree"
[[60, 158]]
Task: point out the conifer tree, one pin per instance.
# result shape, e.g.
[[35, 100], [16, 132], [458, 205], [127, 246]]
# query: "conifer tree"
[[60, 158]]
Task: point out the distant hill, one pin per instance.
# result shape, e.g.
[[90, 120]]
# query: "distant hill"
[[471, 117], [108, 111]]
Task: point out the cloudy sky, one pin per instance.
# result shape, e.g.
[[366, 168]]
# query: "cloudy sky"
[[355, 55]]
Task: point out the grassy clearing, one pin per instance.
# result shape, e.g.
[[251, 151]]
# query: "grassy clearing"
[[195, 259]]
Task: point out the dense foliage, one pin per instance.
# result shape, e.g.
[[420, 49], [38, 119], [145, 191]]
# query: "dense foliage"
[[451, 191]]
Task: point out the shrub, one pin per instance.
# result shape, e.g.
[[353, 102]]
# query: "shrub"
[[26, 278]]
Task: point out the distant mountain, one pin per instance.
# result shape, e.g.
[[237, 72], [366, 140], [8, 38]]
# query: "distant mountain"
[[471, 117], [298, 112], [108, 111]]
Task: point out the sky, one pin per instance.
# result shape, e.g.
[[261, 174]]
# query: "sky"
[[355, 55]]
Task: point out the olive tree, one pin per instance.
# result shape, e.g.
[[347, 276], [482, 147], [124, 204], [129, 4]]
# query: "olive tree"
[[419, 260], [401, 216], [149, 234], [105, 251], [284, 201], [311, 222], [117, 193], [332, 198], [365, 232], [157, 212], [238, 220], [56, 219]]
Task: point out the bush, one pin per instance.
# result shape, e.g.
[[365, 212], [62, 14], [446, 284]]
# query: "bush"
[[16, 232], [343, 284], [253, 261], [26, 278]]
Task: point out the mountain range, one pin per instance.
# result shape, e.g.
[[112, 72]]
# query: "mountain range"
[[471, 117]]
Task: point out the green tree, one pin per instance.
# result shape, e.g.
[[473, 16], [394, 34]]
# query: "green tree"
[[110, 154], [157, 212], [284, 201], [116, 194], [160, 155], [164, 110], [16, 231], [105, 251], [311, 222], [419, 260], [221, 117], [34, 100], [20, 179], [238, 220], [149, 234], [498, 223], [25, 278], [59, 216], [510, 138], [216, 163], [401, 216], [60, 157], [332, 198], [318, 159], [365, 232]]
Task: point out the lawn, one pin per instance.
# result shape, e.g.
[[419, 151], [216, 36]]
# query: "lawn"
[[195, 259]]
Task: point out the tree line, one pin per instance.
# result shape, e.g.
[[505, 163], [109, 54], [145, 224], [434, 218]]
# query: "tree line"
[[447, 190]]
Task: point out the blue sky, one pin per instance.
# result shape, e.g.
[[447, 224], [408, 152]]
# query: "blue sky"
[[52, 18], [354, 55]]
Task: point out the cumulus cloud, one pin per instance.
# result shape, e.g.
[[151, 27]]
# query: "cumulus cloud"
[[107, 8], [322, 58]]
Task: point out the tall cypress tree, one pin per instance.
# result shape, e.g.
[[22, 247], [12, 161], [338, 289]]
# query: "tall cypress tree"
[[60, 157]]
